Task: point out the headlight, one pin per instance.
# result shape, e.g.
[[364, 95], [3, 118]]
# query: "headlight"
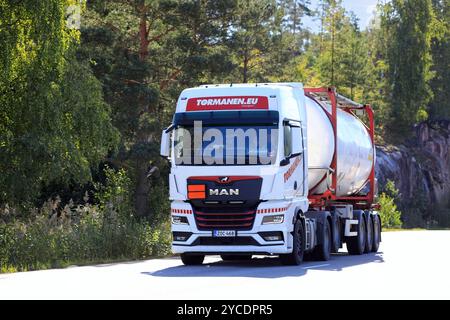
[[179, 220], [279, 218]]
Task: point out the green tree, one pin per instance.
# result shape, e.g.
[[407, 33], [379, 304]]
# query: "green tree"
[[340, 49], [353, 58], [54, 124], [333, 21], [145, 53], [294, 11], [409, 58], [287, 38], [439, 106], [377, 89], [390, 216], [250, 39]]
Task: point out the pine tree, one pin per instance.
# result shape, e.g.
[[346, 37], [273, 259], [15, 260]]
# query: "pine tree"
[[376, 89], [409, 61], [440, 50], [250, 40], [287, 38], [145, 52], [333, 24], [351, 59]]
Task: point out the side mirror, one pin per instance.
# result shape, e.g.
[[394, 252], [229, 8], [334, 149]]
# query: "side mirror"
[[297, 141], [284, 162], [165, 144]]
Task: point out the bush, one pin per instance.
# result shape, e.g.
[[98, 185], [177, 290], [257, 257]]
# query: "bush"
[[57, 236], [390, 215]]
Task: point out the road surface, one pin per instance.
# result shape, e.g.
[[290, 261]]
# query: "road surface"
[[409, 265]]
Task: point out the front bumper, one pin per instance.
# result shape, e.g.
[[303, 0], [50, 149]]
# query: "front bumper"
[[243, 242], [246, 241]]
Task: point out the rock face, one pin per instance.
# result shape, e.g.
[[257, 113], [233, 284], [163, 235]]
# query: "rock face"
[[421, 172]]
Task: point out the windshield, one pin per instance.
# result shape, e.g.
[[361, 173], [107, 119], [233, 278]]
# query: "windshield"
[[228, 138]]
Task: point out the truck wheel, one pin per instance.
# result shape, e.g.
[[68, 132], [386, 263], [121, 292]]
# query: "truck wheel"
[[322, 251], [235, 257], [298, 250], [369, 234], [376, 233], [356, 245], [336, 243], [192, 260]]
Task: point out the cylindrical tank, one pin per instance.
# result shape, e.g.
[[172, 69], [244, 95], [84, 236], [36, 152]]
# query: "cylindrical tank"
[[355, 150]]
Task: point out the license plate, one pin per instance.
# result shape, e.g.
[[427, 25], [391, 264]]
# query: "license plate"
[[224, 233]]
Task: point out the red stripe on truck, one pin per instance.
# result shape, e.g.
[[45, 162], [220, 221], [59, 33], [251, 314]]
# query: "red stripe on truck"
[[227, 103]]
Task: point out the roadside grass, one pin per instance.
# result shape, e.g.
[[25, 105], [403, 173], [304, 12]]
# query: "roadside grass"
[[58, 236], [414, 229], [403, 229], [83, 237]]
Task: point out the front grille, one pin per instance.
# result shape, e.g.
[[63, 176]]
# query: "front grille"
[[229, 218]]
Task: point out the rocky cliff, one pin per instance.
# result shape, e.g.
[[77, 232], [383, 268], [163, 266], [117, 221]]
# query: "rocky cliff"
[[421, 171]]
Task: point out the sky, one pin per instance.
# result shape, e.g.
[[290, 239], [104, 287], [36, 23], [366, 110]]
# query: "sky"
[[362, 8]]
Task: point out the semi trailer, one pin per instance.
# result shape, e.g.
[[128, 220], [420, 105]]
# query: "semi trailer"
[[271, 169]]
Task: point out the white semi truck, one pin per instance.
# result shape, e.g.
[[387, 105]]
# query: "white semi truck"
[[271, 169]]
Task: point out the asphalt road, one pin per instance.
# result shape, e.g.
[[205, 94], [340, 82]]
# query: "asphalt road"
[[409, 265]]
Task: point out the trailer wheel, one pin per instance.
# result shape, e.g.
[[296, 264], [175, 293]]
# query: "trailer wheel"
[[357, 244], [336, 243], [322, 251], [235, 257], [192, 260], [369, 234], [376, 233], [298, 250]]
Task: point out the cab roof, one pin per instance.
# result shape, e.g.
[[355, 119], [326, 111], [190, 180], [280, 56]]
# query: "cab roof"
[[220, 97]]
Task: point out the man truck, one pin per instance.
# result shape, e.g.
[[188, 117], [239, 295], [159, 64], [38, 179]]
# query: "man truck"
[[271, 169]]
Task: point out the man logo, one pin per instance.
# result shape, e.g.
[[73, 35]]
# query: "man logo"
[[223, 179], [223, 192]]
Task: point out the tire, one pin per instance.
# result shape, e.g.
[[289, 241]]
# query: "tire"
[[376, 233], [336, 244], [356, 245], [322, 251], [192, 260], [369, 234], [296, 256], [235, 257]]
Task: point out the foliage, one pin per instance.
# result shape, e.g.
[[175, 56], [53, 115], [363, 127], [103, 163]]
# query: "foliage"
[[54, 123], [251, 40], [116, 193], [145, 53], [408, 54], [58, 235], [439, 106], [390, 216]]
